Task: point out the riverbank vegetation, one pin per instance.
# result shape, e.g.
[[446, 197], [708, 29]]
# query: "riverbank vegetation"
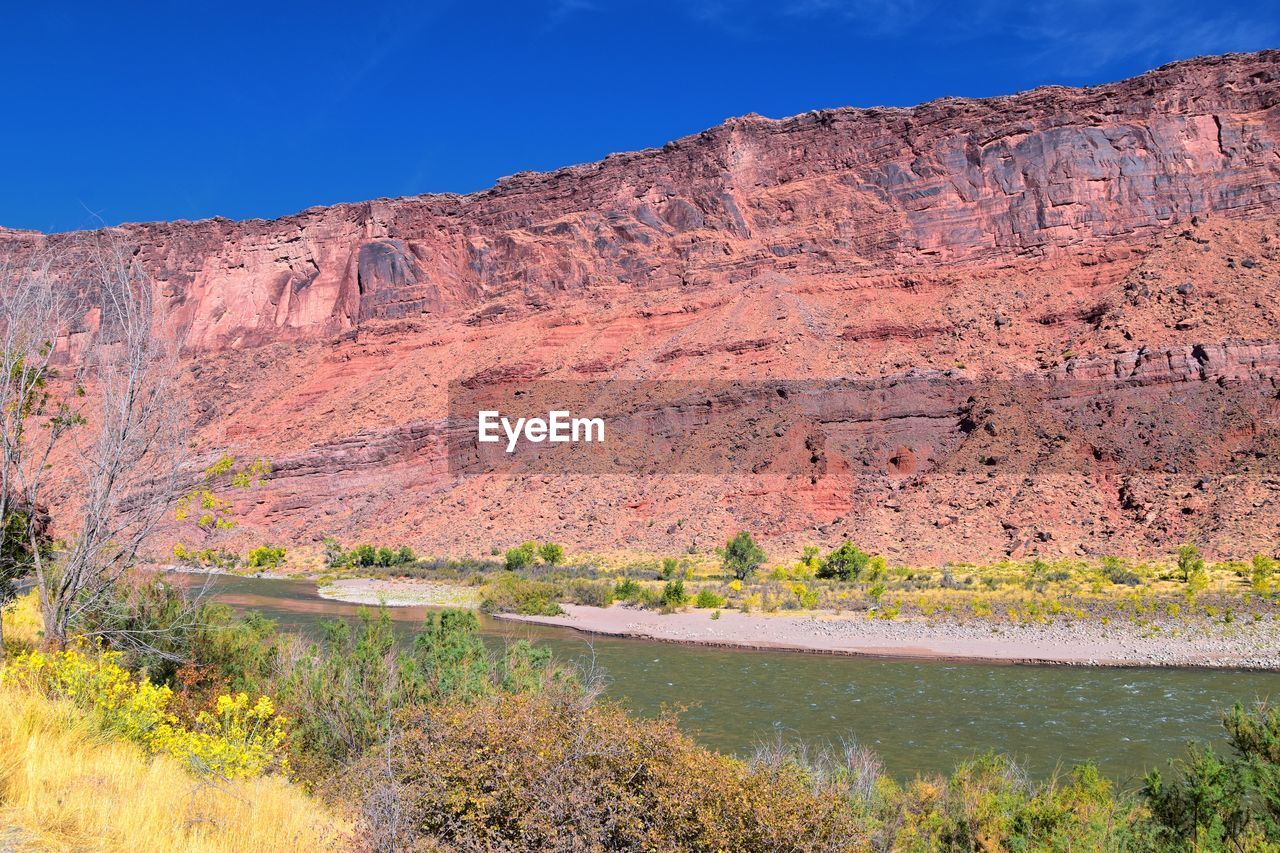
[[1181, 591], [433, 739]]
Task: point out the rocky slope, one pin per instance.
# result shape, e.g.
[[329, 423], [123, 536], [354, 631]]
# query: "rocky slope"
[[1128, 230]]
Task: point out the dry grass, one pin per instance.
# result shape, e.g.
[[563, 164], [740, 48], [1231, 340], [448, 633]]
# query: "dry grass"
[[63, 786]]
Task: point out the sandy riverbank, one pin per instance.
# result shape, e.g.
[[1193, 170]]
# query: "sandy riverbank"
[[1081, 643], [398, 592]]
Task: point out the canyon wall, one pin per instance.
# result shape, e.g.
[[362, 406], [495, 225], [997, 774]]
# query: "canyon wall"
[[1054, 230]]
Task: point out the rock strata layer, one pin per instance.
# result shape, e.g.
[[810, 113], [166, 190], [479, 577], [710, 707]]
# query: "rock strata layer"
[[1124, 229]]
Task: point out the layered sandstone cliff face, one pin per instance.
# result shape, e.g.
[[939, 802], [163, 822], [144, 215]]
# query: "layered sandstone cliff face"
[[1123, 229]]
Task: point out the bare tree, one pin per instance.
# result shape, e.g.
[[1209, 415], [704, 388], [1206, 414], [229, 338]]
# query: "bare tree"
[[31, 322], [113, 428]]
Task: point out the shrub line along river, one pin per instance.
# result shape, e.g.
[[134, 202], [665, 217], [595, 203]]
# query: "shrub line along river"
[[919, 715]]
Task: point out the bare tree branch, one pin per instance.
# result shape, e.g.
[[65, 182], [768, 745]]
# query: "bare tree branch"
[[115, 427]]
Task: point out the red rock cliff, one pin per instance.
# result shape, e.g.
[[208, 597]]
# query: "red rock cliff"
[[1005, 234]]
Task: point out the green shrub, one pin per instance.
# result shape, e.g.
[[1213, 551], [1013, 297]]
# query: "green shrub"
[[626, 590], [521, 556], [669, 566], [265, 557], [649, 598], [345, 692], [1262, 568], [1114, 570], [551, 553], [673, 594], [590, 593], [1217, 802], [846, 563], [988, 804], [510, 593], [707, 599], [366, 556]]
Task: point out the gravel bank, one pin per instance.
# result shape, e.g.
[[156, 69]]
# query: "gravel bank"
[[1241, 645]]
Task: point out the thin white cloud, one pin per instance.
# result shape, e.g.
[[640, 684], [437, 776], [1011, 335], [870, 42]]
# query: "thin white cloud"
[[1076, 38], [564, 9]]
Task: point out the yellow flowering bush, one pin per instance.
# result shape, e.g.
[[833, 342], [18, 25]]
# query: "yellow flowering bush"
[[236, 739]]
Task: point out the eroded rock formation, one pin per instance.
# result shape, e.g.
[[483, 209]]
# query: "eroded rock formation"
[[1121, 227]]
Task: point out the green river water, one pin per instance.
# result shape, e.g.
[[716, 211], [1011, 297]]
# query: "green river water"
[[919, 716]]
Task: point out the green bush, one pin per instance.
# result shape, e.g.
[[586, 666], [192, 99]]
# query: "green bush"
[[707, 599], [521, 556], [626, 590], [366, 556], [1218, 802], [590, 593], [510, 593], [551, 553], [1114, 570], [344, 692], [1262, 567], [846, 563], [265, 557], [673, 594]]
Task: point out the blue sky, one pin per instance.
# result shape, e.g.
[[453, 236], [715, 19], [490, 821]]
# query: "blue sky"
[[190, 110]]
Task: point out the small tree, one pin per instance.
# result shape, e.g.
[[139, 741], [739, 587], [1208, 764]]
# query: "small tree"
[[846, 563], [809, 556], [116, 425], [742, 556], [551, 553], [1263, 567], [1190, 563], [334, 556], [521, 556], [208, 514], [673, 594]]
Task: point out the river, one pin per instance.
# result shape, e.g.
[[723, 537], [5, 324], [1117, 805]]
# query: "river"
[[920, 716]]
